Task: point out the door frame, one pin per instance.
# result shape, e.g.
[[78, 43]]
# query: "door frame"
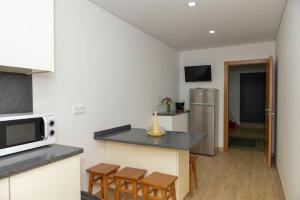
[[227, 66]]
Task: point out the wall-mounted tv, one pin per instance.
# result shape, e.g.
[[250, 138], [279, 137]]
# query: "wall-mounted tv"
[[197, 73]]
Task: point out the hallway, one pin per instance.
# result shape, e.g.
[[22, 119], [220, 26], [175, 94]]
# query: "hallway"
[[237, 175], [247, 138]]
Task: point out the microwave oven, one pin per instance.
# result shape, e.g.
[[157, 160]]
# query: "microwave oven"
[[25, 131]]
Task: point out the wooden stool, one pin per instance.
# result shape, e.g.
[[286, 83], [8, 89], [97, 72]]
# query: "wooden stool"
[[128, 177], [193, 172], [158, 182], [100, 175]]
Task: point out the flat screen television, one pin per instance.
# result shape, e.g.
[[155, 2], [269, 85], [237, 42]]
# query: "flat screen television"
[[197, 73]]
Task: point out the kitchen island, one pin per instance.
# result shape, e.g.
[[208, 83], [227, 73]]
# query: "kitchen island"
[[132, 147]]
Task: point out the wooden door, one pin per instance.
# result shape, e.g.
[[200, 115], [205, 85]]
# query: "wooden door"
[[252, 97], [269, 111]]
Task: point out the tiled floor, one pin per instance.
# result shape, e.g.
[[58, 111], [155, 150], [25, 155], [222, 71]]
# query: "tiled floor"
[[237, 175]]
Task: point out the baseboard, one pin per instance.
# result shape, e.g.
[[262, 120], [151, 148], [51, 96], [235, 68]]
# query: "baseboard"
[[275, 165], [219, 149]]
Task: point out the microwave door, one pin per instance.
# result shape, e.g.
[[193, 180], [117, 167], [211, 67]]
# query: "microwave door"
[[18, 132]]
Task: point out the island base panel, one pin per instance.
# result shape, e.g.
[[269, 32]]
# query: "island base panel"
[[169, 161], [4, 189]]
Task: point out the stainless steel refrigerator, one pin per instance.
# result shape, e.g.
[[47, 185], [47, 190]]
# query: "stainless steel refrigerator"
[[203, 118]]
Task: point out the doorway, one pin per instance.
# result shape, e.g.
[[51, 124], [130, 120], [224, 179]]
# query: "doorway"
[[247, 85], [248, 105], [252, 95]]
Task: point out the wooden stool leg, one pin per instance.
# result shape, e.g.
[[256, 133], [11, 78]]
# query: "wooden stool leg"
[[195, 175], [145, 192], [91, 182], [117, 192], [126, 194], [155, 191], [105, 187], [134, 191], [191, 183], [116, 189], [164, 195], [173, 191], [102, 189]]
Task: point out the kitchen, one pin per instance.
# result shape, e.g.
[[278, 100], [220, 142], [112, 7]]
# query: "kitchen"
[[96, 72], [73, 97]]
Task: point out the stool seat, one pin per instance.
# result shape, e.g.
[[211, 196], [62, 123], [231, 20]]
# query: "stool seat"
[[130, 173], [159, 180], [103, 169], [100, 175], [159, 183], [127, 181]]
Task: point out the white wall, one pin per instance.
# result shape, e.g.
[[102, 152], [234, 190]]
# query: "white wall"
[[234, 88], [288, 96], [116, 71], [216, 57]]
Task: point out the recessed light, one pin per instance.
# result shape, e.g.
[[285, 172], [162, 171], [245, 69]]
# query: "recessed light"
[[192, 4], [212, 32]]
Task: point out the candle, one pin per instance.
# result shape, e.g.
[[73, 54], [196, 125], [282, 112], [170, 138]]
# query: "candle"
[[156, 128]]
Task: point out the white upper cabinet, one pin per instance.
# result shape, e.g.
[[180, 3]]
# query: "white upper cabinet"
[[26, 36]]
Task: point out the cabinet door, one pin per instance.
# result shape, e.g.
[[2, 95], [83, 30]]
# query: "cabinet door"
[[26, 34], [180, 122], [59, 180], [4, 189]]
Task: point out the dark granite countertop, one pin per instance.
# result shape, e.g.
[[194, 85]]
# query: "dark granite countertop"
[[171, 140], [172, 113], [20, 162]]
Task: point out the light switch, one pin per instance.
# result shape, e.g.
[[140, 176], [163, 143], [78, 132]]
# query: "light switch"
[[78, 110], [81, 110]]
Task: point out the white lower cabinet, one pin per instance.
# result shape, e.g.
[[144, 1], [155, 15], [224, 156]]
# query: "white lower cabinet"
[[57, 181], [4, 189], [177, 122]]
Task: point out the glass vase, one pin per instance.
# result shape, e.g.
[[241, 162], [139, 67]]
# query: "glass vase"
[[168, 108]]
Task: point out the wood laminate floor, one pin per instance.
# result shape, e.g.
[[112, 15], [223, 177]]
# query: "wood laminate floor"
[[237, 175]]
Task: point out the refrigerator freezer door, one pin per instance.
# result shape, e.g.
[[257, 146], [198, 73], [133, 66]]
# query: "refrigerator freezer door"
[[202, 121], [202, 96]]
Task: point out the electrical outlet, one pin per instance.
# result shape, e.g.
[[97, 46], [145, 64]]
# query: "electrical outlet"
[[78, 110]]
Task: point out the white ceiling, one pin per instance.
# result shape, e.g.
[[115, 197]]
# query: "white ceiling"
[[171, 21]]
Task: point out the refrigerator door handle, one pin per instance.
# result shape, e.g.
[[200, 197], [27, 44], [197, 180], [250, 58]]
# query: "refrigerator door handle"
[[202, 104]]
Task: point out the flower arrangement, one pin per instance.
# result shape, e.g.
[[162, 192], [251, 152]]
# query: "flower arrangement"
[[168, 101]]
